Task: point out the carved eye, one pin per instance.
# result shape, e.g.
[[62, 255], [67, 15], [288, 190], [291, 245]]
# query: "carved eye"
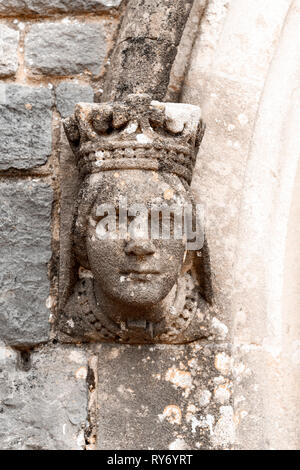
[[106, 222], [166, 224], [105, 225], [98, 218]]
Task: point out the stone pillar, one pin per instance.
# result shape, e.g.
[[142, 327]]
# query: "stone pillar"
[[146, 48]]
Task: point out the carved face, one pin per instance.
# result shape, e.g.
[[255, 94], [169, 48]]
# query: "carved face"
[[136, 271]]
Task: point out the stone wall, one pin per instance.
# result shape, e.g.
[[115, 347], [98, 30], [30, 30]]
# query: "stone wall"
[[210, 394], [52, 55]]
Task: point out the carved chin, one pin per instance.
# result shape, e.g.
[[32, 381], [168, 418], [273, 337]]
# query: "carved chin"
[[141, 292]]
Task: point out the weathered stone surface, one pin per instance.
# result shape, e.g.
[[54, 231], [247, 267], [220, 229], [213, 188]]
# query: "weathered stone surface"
[[229, 110], [25, 122], [68, 94], [9, 39], [165, 397], [185, 48], [246, 195], [25, 213], [146, 48], [206, 44], [45, 7], [44, 407], [65, 49], [249, 39], [156, 303]]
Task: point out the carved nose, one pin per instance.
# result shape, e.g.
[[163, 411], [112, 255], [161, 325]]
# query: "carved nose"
[[140, 247]]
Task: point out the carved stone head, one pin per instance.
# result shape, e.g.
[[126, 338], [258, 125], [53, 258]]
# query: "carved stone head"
[[136, 160]]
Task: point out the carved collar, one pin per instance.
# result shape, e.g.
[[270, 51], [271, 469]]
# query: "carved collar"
[[85, 322]]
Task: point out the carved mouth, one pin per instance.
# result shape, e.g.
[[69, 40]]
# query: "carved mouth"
[[141, 271], [139, 275]]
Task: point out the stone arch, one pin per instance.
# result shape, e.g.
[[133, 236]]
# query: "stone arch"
[[264, 301]]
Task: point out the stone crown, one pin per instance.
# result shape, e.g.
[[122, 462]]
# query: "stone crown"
[[136, 134]]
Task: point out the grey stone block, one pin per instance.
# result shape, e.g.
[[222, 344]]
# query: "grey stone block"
[[45, 407], [65, 49], [45, 7], [25, 250], [25, 123], [68, 94], [164, 397], [9, 39]]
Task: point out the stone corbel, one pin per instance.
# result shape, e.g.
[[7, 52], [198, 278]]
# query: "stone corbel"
[[135, 147]]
